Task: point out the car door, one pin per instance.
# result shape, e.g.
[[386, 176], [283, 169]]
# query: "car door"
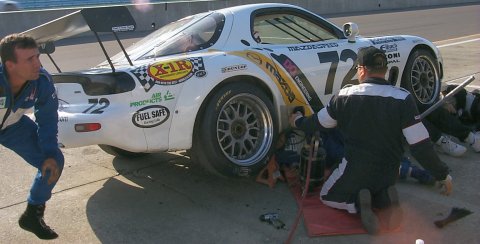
[[314, 53]]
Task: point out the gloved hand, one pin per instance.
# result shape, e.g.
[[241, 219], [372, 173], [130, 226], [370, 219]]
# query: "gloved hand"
[[445, 185], [293, 117]]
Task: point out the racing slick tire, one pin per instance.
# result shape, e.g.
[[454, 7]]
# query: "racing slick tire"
[[117, 152], [421, 78], [235, 131]]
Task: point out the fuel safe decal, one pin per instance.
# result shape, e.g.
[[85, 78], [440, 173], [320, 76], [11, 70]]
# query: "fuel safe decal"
[[169, 72], [150, 116]]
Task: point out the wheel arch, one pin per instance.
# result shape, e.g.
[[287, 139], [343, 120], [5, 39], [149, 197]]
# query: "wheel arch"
[[428, 48], [241, 78]]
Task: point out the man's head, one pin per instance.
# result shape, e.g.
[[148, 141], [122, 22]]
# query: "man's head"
[[20, 56], [372, 62]]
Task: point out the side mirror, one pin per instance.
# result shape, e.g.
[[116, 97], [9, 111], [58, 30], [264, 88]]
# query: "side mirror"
[[350, 30]]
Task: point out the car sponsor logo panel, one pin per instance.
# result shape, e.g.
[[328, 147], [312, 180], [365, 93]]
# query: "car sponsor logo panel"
[[290, 93], [170, 72], [312, 47], [389, 47], [300, 79], [156, 98], [150, 116], [233, 68], [383, 40]]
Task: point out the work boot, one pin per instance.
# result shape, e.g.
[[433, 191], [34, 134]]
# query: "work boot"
[[369, 219], [32, 220], [393, 215], [447, 146], [474, 140]]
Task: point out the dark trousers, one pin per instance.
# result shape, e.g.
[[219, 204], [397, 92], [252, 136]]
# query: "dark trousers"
[[441, 121]]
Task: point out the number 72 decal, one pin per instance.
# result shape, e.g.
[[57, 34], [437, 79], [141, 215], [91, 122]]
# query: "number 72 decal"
[[333, 58], [98, 106]]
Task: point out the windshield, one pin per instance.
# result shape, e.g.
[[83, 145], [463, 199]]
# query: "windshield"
[[189, 34]]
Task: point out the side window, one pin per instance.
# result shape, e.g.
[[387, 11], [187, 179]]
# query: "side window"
[[288, 28]]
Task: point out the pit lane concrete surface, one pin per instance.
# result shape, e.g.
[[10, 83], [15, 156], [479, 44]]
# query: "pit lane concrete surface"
[[165, 198]]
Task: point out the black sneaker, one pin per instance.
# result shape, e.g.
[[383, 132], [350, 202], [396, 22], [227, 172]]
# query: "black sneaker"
[[369, 219], [32, 220]]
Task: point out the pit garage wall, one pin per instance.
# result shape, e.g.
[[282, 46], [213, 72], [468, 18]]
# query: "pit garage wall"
[[163, 13]]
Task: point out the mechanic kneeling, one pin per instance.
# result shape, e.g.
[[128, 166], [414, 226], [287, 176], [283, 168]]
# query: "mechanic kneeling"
[[373, 117]]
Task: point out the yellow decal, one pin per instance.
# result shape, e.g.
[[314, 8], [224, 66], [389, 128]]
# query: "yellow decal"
[[292, 96], [170, 71]]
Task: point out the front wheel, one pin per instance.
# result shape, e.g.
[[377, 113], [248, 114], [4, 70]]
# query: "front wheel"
[[235, 131], [421, 77]]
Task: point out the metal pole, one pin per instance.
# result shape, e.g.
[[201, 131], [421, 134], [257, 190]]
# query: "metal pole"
[[450, 94]]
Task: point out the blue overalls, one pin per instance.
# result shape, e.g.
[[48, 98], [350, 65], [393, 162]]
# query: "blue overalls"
[[33, 141]]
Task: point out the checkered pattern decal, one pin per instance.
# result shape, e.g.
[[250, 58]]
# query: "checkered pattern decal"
[[148, 81]]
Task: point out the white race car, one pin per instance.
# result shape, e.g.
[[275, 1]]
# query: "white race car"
[[220, 83]]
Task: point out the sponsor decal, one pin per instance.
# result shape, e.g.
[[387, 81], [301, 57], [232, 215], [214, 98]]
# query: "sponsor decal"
[[393, 61], [156, 98], [393, 58], [393, 55], [300, 79], [123, 28], [234, 68], [290, 93], [383, 40], [3, 101], [388, 48], [312, 47], [62, 119], [150, 116], [169, 72]]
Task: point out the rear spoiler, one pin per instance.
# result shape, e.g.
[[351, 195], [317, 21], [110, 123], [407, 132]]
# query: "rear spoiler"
[[108, 19]]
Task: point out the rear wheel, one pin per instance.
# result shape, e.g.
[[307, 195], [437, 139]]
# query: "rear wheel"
[[115, 151], [421, 77], [235, 131]]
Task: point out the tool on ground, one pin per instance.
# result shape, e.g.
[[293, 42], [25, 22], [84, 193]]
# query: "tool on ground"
[[271, 173], [455, 214], [446, 97], [273, 219]]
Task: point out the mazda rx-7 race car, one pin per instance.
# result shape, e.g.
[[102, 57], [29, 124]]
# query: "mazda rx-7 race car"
[[221, 84]]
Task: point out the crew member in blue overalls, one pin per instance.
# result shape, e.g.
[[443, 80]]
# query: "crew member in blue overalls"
[[24, 85]]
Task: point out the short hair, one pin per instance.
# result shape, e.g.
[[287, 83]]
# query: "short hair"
[[12, 41]]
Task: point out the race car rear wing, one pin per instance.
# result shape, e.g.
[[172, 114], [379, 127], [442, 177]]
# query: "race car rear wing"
[[111, 19]]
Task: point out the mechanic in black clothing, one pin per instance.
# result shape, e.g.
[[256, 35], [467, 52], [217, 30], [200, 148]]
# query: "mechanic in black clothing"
[[465, 105], [374, 117]]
